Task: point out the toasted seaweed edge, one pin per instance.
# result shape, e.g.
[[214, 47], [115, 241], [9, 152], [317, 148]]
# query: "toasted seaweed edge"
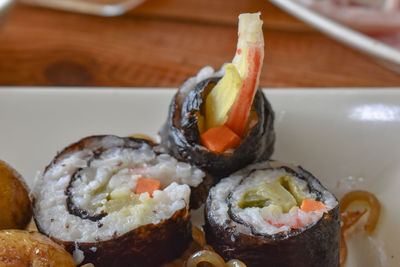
[[258, 250], [174, 137]]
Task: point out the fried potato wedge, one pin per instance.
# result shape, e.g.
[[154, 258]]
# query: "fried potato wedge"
[[15, 205], [25, 248]]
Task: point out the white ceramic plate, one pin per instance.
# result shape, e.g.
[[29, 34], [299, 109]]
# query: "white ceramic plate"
[[382, 53], [349, 138], [105, 8]]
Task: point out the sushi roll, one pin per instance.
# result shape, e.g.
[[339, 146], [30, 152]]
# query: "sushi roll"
[[274, 214], [115, 201], [220, 120]]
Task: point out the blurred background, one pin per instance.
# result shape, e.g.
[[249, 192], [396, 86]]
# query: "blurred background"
[[160, 43]]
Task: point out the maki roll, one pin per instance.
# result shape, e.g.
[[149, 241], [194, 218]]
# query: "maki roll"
[[115, 201], [220, 120], [274, 214]]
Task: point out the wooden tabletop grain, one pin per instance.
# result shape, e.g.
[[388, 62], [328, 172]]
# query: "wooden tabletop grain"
[[163, 42]]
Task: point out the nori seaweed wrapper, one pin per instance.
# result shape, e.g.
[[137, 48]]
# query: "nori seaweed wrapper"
[[198, 194], [180, 134], [146, 245], [314, 245]]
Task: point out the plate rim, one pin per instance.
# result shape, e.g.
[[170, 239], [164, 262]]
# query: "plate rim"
[[340, 32]]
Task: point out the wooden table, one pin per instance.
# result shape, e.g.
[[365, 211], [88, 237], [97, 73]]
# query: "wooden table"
[[163, 42]]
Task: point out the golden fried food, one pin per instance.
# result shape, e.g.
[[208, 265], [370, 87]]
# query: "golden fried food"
[[24, 248], [15, 205]]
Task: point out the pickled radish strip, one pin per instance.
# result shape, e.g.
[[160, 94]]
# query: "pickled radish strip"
[[240, 110], [233, 95], [249, 32]]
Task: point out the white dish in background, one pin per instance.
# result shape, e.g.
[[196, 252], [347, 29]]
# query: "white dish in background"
[[386, 55], [348, 138], [5, 7], [105, 8]]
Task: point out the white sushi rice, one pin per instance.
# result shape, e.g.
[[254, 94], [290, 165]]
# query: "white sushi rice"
[[266, 220], [107, 183], [205, 73]]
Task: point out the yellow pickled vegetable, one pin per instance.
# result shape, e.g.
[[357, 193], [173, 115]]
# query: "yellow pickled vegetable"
[[221, 98]]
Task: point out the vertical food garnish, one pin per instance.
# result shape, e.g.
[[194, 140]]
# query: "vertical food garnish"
[[222, 96], [230, 101], [240, 110], [221, 121]]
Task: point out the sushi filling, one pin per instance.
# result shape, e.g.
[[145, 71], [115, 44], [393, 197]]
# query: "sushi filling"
[[94, 194], [269, 201], [225, 117], [109, 182]]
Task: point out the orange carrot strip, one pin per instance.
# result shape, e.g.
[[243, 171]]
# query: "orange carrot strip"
[[147, 185], [312, 205], [219, 139]]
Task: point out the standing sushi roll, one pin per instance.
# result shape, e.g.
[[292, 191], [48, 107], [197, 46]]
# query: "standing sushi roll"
[[115, 201], [221, 121], [273, 214]]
